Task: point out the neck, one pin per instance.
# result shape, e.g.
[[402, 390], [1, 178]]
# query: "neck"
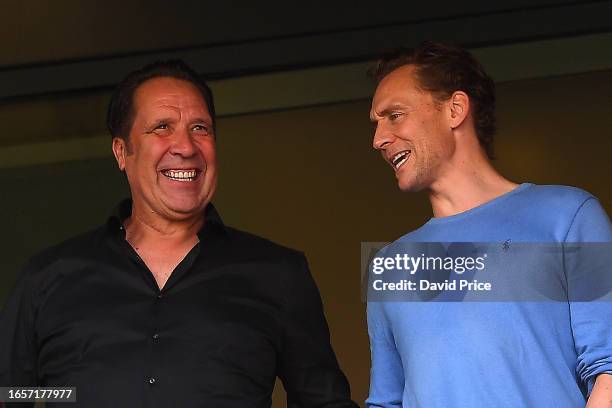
[[148, 227], [469, 180]]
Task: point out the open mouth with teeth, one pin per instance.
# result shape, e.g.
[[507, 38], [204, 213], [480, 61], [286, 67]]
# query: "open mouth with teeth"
[[181, 175], [400, 158]]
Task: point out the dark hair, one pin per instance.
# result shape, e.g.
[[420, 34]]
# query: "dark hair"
[[443, 69], [120, 115]]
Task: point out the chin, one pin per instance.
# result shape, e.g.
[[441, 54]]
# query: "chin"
[[186, 209], [409, 189], [409, 186], [405, 185]]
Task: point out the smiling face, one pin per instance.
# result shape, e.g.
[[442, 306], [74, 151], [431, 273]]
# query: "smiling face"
[[413, 130], [170, 157]]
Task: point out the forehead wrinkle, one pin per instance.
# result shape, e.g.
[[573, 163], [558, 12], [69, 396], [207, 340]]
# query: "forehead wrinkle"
[[185, 103], [374, 112], [188, 108], [175, 99], [171, 107]]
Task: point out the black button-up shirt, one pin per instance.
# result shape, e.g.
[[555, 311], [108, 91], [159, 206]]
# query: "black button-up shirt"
[[235, 313]]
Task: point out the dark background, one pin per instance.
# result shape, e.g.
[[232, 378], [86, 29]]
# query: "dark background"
[[294, 137]]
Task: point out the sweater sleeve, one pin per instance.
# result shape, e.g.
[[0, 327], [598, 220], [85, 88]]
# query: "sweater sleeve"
[[589, 274], [387, 375]]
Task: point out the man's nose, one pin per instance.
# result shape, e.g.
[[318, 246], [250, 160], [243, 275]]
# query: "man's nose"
[[382, 137], [183, 143]]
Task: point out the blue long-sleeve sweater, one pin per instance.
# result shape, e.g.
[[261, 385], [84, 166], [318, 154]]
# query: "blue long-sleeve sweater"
[[496, 354]]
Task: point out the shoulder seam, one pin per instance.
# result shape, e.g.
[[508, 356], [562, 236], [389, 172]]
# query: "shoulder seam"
[[574, 217]]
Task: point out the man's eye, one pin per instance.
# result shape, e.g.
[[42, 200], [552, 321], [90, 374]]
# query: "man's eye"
[[161, 126], [394, 116], [200, 128]]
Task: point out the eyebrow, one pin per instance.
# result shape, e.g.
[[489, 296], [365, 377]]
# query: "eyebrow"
[[157, 121], [386, 111], [201, 120]]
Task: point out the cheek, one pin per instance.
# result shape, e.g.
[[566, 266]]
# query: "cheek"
[[208, 151], [405, 131], [446, 142], [147, 154], [210, 155]]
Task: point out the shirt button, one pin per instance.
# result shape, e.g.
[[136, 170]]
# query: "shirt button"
[[159, 296], [155, 336], [152, 381]]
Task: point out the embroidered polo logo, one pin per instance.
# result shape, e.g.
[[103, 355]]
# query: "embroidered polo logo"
[[506, 245]]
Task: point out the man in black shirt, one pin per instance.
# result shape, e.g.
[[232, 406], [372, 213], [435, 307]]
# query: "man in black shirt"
[[165, 305]]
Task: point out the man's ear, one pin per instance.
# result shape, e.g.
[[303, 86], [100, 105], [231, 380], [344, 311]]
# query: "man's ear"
[[120, 151], [459, 108]]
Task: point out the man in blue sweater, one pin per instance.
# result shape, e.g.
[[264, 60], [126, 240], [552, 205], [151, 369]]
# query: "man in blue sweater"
[[434, 111]]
